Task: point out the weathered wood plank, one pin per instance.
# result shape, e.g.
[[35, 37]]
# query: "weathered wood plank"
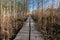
[[24, 32]]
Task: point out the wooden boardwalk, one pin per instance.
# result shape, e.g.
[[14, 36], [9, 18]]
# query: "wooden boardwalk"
[[24, 32]]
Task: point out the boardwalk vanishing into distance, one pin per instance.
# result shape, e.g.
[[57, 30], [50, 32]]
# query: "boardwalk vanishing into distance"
[[25, 34], [29, 19]]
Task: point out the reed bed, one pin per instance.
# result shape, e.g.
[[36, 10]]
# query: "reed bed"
[[10, 25], [47, 24]]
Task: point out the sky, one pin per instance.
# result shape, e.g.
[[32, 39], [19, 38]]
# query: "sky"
[[47, 3]]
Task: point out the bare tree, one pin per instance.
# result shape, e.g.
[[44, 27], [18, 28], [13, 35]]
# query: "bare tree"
[[25, 6]]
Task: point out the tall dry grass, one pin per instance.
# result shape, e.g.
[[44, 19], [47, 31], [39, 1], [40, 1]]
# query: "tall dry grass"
[[10, 24], [48, 23]]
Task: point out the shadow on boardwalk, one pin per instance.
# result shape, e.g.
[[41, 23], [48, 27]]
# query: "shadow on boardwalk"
[[24, 32]]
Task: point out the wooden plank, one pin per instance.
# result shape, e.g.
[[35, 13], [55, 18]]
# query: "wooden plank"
[[24, 32]]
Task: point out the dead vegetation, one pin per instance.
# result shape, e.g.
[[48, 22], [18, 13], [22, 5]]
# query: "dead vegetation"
[[48, 23], [11, 20]]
